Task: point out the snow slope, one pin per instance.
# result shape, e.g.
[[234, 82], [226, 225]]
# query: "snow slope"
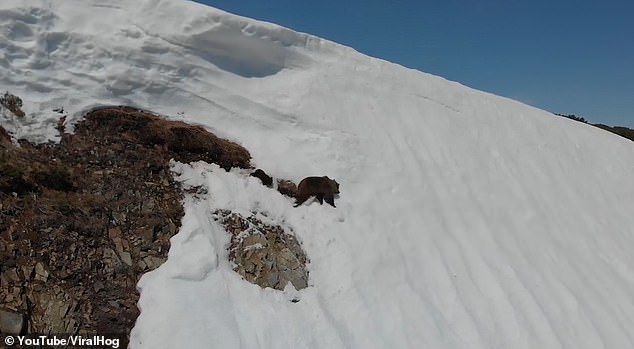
[[465, 220]]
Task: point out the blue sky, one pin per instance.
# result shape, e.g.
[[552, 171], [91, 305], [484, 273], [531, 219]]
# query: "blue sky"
[[570, 57]]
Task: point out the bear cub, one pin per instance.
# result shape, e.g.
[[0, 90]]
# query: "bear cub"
[[266, 179], [323, 188]]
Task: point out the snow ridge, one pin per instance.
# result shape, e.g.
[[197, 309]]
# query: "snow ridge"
[[465, 220]]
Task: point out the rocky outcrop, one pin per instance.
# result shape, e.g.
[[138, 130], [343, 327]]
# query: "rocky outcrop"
[[264, 254], [81, 221]]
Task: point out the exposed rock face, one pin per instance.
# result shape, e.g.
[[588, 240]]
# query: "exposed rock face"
[[82, 220], [264, 254]]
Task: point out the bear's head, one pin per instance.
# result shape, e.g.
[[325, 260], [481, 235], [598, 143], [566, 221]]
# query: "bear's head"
[[335, 186]]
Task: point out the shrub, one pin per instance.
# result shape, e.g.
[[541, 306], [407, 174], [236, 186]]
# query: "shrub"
[[55, 177], [13, 103], [13, 176], [621, 131], [573, 117]]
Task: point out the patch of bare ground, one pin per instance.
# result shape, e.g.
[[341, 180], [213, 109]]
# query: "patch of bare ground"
[[82, 220]]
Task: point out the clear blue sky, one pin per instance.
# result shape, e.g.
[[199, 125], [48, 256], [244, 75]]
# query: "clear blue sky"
[[564, 56]]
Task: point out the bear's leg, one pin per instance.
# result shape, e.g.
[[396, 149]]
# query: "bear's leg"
[[320, 197], [330, 199], [300, 200]]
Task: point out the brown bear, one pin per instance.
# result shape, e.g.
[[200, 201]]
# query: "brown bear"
[[287, 187], [323, 188], [266, 179]]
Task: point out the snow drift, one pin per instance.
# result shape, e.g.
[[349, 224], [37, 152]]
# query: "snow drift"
[[465, 220]]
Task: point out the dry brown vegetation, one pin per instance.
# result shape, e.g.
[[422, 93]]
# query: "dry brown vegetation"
[[5, 138], [186, 142]]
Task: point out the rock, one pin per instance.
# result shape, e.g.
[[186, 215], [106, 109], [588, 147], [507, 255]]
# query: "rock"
[[153, 262], [51, 310], [27, 271], [40, 272], [126, 258], [11, 322], [122, 245], [110, 260], [146, 234], [141, 265], [98, 286], [9, 276], [264, 254], [171, 228], [272, 279], [295, 277], [254, 241]]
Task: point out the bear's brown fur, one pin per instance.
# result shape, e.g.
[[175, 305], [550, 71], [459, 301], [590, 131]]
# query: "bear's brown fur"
[[323, 188], [287, 187], [266, 179]]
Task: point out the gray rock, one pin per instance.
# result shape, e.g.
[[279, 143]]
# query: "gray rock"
[[11, 322], [153, 262], [126, 257], [40, 272], [264, 254], [272, 278], [110, 260], [51, 311]]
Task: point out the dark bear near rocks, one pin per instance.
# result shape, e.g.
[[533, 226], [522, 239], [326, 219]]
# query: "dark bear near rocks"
[[266, 179], [323, 188]]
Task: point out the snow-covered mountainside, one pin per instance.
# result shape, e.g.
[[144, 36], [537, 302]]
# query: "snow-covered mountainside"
[[465, 220]]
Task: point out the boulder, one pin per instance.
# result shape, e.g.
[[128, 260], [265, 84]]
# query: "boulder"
[[264, 254]]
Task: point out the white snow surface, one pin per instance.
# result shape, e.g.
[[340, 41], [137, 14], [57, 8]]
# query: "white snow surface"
[[465, 220]]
